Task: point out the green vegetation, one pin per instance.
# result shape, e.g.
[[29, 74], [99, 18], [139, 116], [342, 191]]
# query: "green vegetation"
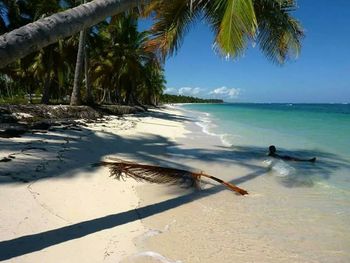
[[112, 62], [118, 68], [168, 98]]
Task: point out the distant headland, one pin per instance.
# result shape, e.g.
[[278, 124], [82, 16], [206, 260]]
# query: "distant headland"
[[168, 98]]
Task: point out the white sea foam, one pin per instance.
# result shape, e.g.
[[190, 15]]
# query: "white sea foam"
[[156, 256], [207, 125], [229, 139], [281, 168]]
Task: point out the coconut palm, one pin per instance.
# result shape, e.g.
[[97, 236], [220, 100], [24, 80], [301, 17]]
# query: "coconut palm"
[[32, 37], [46, 65], [153, 84], [79, 66], [49, 71], [119, 60], [88, 85], [234, 22]]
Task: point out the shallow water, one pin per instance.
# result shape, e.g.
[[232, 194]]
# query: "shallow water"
[[295, 212], [302, 130]]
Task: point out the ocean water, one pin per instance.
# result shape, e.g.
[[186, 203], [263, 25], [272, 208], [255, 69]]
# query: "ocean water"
[[302, 130], [324, 127], [295, 212]]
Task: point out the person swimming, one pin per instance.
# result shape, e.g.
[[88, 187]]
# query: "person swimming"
[[273, 150]]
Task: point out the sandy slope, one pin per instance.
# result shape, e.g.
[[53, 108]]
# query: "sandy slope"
[[55, 207]]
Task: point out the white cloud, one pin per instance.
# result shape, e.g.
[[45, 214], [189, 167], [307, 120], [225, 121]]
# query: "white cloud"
[[171, 91], [187, 91], [218, 93], [232, 93], [184, 90], [196, 91]]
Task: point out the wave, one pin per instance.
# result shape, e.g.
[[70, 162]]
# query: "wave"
[[208, 126]]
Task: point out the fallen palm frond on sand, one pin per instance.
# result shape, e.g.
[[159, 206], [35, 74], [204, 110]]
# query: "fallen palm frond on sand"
[[160, 175]]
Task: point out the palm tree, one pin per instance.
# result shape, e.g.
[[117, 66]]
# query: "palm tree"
[[235, 23], [119, 59], [32, 37], [46, 66], [89, 92], [76, 94], [152, 83]]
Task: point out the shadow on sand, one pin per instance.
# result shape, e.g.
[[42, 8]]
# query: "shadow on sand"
[[143, 147]]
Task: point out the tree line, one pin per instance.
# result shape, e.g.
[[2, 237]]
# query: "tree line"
[[111, 61], [170, 98], [117, 66]]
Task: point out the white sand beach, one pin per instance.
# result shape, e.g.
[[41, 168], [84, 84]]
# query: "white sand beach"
[[56, 207]]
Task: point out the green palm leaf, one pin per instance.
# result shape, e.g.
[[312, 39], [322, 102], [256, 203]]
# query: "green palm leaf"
[[173, 20], [279, 35], [234, 23]]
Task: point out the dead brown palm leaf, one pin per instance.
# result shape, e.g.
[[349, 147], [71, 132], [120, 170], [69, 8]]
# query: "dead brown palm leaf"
[[160, 175]]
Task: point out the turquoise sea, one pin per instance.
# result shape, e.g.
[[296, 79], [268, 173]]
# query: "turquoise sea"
[[302, 130], [323, 127], [294, 212], [301, 209]]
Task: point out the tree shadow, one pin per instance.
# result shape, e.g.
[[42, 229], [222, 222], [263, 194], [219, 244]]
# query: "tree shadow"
[[289, 173], [35, 242], [148, 148], [40, 156]]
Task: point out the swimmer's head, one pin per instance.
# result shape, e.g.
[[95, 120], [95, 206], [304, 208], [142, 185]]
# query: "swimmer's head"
[[272, 149]]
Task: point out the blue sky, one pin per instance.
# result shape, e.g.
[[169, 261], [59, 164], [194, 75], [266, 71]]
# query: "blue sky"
[[321, 74]]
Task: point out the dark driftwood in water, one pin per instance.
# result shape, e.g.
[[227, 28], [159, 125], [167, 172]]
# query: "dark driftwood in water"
[[160, 175]]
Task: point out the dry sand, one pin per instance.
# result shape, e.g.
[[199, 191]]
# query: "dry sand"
[[55, 207], [277, 222]]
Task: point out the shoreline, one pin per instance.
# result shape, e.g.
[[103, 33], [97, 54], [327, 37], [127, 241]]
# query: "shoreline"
[[69, 206], [279, 221]]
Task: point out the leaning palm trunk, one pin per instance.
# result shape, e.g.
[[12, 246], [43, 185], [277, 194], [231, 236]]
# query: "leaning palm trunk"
[[160, 175], [35, 36]]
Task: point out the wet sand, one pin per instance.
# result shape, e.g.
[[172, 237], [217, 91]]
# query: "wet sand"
[[56, 207], [276, 222]]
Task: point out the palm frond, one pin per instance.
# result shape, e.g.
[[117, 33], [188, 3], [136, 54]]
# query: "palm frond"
[[234, 24], [160, 175], [279, 34], [172, 21]]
